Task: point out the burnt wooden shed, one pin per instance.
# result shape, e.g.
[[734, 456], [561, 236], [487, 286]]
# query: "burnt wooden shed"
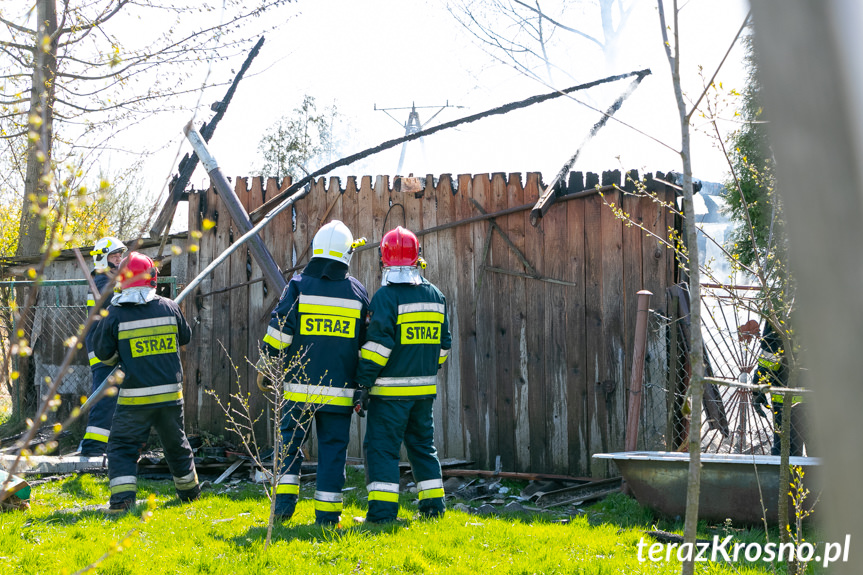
[[542, 317]]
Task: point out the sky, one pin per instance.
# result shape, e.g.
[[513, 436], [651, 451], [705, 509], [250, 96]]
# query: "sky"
[[392, 53]]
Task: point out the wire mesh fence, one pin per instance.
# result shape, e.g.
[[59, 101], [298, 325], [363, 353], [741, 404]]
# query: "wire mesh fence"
[[48, 326], [735, 419]]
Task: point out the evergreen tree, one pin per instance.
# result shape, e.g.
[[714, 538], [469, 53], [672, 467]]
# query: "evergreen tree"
[[754, 173]]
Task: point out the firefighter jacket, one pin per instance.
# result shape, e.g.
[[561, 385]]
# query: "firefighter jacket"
[[408, 341], [101, 280], [317, 328], [773, 365], [145, 339]]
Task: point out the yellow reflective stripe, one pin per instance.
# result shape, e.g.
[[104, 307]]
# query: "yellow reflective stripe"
[[383, 496], [431, 493], [158, 330], [444, 353], [149, 399], [768, 364], [404, 390], [318, 251], [287, 489], [319, 399], [187, 481], [94, 360], [96, 437], [336, 254], [124, 484], [273, 342], [91, 301], [780, 398], [327, 506], [328, 310], [414, 316], [372, 356]]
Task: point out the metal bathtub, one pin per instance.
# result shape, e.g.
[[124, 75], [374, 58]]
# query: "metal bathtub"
[[729, 483]]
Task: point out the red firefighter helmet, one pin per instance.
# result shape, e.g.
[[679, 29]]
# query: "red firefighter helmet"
[[138, 271], [399, 247]]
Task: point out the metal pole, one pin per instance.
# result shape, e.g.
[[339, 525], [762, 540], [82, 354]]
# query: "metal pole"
[[637, 376], [239, 216]]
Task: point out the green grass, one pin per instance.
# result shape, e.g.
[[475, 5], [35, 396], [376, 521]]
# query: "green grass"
[[224, 532]]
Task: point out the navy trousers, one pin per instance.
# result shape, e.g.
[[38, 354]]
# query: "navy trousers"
[[333, 433], [99, 419], [131, 430], [391, 422]]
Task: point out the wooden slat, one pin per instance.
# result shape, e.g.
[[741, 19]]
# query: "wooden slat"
[[449, 375], [257, 324], [576, 343], [518, 427], [500, 385], [205, 403], [612, 320], [222, 375], [535, 299], [632, 282], [555, 341], [465, 281], [595, 357], [239, 297], [190, 353], [484, 298]]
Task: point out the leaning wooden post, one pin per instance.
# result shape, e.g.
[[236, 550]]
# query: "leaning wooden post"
[[636, 380]]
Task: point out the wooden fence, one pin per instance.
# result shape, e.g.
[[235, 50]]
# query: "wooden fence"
[[542, 318]]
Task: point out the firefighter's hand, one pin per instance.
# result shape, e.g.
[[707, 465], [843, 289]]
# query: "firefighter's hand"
[[361, 401], [759, 399], [264, 383]]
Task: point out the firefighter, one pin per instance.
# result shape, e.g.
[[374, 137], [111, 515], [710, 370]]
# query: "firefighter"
[[408, 341], [773, 369], [144, 332], [107, 254], [316, 331]]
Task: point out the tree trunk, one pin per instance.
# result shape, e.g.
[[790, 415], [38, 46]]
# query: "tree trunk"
[[696, 346], [31, 233]]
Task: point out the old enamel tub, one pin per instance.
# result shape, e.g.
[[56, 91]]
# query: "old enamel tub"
[[732, 486]]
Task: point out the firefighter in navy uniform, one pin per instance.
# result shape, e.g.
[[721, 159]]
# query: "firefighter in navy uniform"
[[107, 254], [408, 340], [773, 369], [144, 332], [317, 328]]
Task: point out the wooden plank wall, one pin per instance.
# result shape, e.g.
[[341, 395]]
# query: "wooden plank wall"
[[539, 370]]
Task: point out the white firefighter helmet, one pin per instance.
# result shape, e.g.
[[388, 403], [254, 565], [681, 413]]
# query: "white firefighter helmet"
[[103, 248], [333, 241]]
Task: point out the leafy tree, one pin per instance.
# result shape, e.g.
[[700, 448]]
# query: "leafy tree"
[[72, 77], [296, 144]]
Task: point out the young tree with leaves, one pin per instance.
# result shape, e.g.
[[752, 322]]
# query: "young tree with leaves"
[[296, 144]]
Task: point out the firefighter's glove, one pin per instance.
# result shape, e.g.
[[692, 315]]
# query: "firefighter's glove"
[[264, 383], [361, 401]]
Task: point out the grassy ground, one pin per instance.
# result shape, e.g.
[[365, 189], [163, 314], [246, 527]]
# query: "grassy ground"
[[224, 532]]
